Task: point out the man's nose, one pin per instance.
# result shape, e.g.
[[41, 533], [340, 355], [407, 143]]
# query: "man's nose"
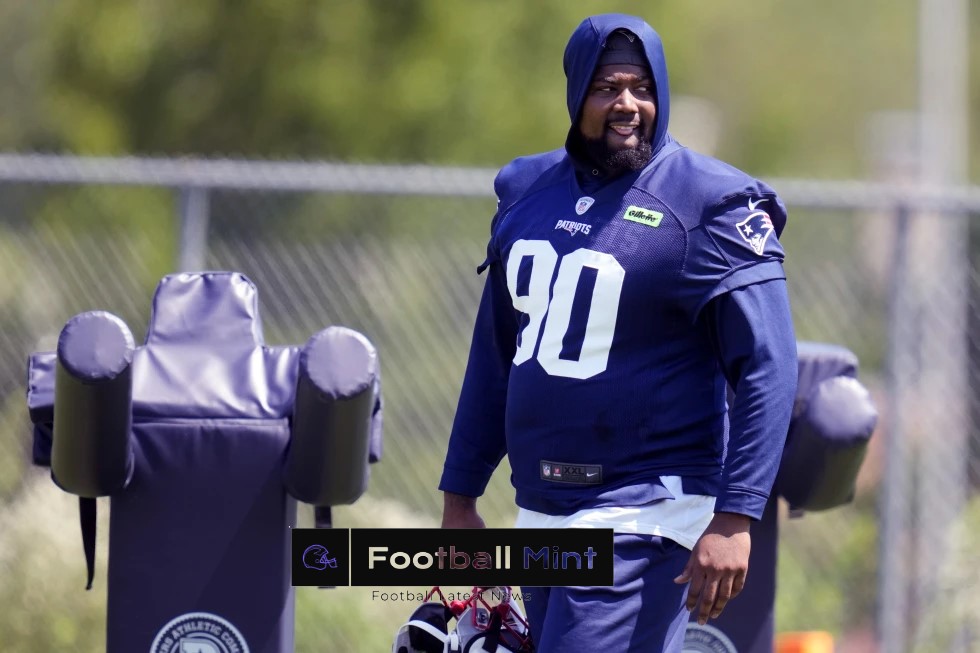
[[626, 102]]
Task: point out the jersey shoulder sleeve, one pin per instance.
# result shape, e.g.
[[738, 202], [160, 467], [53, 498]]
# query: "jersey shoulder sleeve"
[[518, 179], [695, 187], [524, 175], [733, 223]]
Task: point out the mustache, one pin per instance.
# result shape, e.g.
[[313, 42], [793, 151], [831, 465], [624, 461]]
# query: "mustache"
[[632, 120]]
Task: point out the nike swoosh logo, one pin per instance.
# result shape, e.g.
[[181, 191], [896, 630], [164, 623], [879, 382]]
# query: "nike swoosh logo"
[[587, 475], [752, 204]]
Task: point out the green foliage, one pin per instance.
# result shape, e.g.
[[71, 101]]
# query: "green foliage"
[[827, 583], [430, 80], [46, 607], [953, 617], [12, 443]]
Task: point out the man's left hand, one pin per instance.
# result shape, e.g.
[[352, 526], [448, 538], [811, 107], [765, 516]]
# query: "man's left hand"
[[718, 565]]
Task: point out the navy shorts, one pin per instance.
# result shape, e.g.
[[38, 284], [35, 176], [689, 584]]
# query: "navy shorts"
[[643, 612]]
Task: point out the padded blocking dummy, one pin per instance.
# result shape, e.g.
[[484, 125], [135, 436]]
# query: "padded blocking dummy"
[[833, 419], [199, 436]]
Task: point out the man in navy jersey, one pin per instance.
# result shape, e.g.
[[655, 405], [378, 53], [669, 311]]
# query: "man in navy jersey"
[[629, 280]]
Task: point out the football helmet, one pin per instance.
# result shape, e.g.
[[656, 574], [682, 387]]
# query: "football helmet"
[[489, 621]]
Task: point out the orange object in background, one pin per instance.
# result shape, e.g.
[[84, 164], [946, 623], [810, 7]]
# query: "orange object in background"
[[812, 641]]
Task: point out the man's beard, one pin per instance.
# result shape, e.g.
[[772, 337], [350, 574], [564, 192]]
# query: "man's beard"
[[618, 161]]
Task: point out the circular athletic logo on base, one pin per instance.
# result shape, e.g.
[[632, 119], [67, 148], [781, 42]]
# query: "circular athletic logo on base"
[[199, 632], [706, 639]]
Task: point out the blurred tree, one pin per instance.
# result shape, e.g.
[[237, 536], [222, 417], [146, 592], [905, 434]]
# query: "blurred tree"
[[469, 83], [21, 24]]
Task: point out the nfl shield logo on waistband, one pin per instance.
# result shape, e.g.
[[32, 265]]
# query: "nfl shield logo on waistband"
[[583, 204], [546, 469]]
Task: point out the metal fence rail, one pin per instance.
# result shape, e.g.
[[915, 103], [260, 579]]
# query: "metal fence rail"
[[884, 269], [326, 177]]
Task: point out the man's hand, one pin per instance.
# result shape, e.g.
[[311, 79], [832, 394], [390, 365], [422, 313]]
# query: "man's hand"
[[460, 512], [718, 565]]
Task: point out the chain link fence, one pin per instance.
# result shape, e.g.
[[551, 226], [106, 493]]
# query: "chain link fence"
[[391, 251]]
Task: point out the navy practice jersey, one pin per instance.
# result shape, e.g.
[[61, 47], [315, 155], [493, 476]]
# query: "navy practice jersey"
[[590, 320], [609, 323]]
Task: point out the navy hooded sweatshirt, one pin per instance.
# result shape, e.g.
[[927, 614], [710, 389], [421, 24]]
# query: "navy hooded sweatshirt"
[[615, 312]]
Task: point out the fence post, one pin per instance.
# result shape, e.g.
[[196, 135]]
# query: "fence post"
[[893, 584], [942, 276], [194, 215]]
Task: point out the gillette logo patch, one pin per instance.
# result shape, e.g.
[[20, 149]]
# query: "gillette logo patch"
[[643, 216]]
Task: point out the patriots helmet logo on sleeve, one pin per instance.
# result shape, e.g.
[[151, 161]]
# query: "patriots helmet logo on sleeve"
[[756, 229]]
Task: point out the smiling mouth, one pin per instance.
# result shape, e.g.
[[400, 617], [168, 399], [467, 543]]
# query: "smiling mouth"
[[625, 130]]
